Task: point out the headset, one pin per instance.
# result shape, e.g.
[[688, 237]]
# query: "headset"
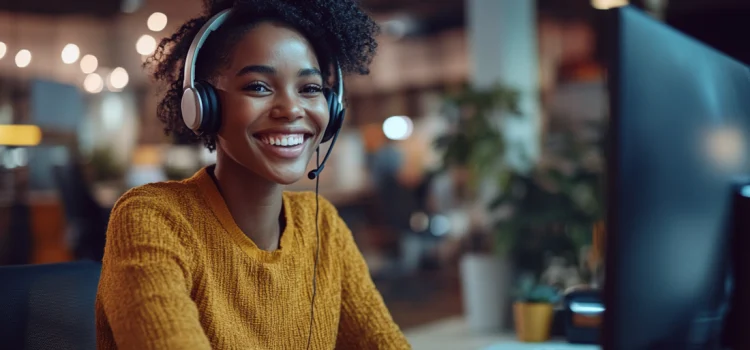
[[201, 113], [201, 110]]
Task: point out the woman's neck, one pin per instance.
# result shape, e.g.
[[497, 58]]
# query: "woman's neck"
[[255, 203]]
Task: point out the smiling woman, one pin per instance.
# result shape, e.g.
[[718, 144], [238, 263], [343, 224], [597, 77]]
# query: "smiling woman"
[[227, 259]]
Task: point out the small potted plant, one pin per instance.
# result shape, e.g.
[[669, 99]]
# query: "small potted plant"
[[533, 310]]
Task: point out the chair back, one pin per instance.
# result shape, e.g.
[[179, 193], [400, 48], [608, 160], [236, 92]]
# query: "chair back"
[[49, 306]]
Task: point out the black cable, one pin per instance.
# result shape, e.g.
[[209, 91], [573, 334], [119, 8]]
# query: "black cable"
[[317, 250]]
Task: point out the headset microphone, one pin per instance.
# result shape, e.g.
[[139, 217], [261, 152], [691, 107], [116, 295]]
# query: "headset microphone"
[[315, 173]]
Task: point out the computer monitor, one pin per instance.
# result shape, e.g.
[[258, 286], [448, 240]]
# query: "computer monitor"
[[679, 134]]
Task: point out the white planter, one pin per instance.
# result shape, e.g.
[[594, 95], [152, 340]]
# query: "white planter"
[[486, 291]]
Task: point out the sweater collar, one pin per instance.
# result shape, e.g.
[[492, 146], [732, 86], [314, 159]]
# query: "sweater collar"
[[215, 201]]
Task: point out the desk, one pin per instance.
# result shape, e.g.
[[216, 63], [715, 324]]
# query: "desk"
[[453, 334]]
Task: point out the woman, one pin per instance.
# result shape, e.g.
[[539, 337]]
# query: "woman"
[[227, 259]]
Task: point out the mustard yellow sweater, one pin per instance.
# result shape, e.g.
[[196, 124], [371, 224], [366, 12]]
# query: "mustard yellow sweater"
[[178, 273]]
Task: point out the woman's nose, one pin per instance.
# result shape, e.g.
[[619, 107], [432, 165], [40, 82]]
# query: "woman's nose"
[[287, 105]]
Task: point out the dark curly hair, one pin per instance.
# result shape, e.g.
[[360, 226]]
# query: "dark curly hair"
[[337, 29]]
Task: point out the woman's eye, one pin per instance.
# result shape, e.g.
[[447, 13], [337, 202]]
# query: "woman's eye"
[[312, 89], [256, 87]]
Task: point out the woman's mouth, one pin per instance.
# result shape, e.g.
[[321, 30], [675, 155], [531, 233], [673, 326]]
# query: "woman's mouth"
[[288, 146]]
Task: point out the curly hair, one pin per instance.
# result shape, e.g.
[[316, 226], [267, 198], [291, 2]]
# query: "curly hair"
[[337, 29]]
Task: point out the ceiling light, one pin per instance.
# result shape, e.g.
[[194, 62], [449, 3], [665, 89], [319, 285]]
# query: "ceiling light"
[[93, 83], [23, 58], [118, 79], [70, 53], [157, 21], [145, 45], [89, 64]]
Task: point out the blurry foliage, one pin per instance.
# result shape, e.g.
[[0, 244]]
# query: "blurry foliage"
[[104, 165], [476, 142], [557, 202], [554, 207], [530, 290]]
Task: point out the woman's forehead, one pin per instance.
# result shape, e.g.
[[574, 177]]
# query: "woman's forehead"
[[273, 44]]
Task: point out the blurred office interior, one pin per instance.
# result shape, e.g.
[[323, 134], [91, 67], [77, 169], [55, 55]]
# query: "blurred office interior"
[[439, 205]]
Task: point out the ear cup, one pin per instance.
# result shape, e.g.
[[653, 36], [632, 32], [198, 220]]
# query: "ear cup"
[[211, 111], [336, 115]]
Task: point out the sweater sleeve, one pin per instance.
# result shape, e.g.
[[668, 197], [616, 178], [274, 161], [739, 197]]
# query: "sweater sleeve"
[[143, 291], [365, 321]]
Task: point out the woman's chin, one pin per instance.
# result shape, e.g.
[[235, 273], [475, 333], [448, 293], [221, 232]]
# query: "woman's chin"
[[286, 175]]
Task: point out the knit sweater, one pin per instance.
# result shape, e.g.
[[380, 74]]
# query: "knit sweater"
[[178, 273]]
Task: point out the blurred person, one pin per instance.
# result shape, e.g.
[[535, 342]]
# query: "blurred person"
[[226, 259]]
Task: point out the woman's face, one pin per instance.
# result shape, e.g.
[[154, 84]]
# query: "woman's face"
[[274, 112]]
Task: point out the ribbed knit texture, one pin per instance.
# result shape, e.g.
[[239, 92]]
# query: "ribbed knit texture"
[[178, 273]]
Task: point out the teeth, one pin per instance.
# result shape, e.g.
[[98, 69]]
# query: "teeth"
[[283, 140]]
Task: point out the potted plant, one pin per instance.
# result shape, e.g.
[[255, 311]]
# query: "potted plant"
[[554, 206], [533, 310], [474, 153]]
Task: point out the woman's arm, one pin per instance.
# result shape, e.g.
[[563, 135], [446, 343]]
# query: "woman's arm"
[[144, 291], [365, 321]]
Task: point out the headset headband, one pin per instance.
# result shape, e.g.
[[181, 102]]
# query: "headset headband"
[[214, 23]]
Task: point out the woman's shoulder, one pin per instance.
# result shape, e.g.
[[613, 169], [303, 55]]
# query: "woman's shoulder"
[[157, 198]]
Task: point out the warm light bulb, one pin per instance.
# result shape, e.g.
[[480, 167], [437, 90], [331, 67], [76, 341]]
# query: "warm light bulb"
[[23, 58], [3, 49], [118, 79], [89, 64], [93, 83], [157, 21], [145, 45], [70, 53]]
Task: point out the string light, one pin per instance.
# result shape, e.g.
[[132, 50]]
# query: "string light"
[[145, 45], [93, 83], [89, 64], [157, 21], [23, 58], [70, 53], [118, 79]]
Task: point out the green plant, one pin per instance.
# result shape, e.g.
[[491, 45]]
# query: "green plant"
[[105, 166], [476, 142], [563, 194], [529, 290], [476, 145]]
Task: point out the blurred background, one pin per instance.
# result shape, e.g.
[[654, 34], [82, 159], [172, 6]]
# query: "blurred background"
[[469, 168]]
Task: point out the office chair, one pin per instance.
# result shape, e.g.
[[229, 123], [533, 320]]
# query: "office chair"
[[48, 306]]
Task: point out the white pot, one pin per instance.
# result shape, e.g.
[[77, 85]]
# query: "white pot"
[[486, 291]]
